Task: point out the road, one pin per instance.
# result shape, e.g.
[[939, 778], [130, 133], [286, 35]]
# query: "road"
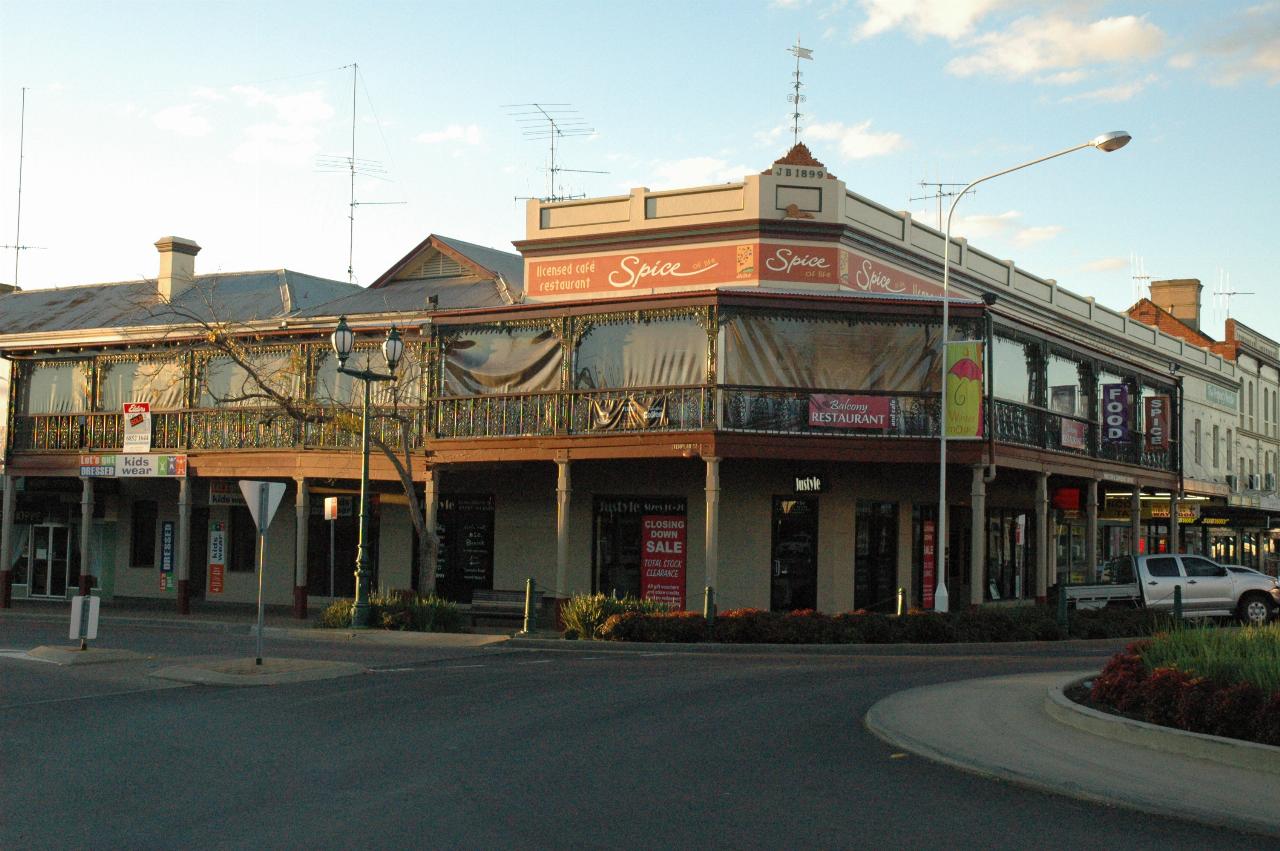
[[509, 748]]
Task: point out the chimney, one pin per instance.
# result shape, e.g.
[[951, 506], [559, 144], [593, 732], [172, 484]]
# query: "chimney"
[[177, 265], [1181, 297]]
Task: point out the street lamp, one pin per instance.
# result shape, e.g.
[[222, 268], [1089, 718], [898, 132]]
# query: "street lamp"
[[343, 341], [1107, 142]]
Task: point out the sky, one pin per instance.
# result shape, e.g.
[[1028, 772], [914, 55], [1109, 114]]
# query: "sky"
[[217, 121]]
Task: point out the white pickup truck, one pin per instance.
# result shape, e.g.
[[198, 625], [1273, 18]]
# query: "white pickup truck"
[[1209, 589]]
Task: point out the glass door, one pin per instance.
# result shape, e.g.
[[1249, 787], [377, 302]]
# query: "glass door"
[[49, 560], [794, 583]]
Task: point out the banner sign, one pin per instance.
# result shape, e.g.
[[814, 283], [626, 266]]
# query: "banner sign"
[[6, 372], [716, 265], [225, 492], [1156, 414], [1074, 433], [930, 562], [1115, 413], [838, 411], [137, 427], [132, 466], [662, 559], [964, 389], [217, 556], [166, 556]]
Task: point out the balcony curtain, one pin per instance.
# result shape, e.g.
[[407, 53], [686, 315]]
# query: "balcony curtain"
[[153, 380], [55, 387], [225, 383], [487, 361], [774, 351], [659, 353]]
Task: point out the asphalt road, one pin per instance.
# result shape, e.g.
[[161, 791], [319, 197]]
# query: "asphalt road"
[[509, 748]]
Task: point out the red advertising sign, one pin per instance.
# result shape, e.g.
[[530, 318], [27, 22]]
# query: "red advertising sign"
[[217, 556], [716, 265], [662, 559], [835, 410], [930, 560], [1157, 416]]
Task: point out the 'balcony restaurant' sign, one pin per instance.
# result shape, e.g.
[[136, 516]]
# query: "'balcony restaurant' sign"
[[834, 410]]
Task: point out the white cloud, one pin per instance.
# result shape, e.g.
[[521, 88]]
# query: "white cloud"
[[694, 171], [855, 142], [207, 93], [1183, 61], [183, 119], [1030, 236], [468, 135], [976, 227], [291, 139], [950, 19], [1033, 45], [1113, 94], [1106, 264], [1063, 78]]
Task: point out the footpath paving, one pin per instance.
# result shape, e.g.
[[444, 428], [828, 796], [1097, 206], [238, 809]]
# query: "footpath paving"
[[1011, 728]]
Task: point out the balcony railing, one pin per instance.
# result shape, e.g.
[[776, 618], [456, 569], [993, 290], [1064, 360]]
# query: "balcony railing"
[[731, 408]]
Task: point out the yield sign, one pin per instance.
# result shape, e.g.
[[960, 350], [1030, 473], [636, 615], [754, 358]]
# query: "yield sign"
[[263, 499]]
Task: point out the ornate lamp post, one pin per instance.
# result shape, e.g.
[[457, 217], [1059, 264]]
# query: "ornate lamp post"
[[1106, 142], [343, 341]]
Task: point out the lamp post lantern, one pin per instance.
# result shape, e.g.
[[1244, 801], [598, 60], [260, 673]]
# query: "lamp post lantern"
[[343, 341], [1107, 142]]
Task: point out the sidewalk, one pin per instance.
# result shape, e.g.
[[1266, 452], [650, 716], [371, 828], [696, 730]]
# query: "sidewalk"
[[999, 727]]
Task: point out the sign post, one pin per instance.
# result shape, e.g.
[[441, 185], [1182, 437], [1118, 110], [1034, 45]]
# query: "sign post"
[[263, 498], [331, 514], [84, 619]]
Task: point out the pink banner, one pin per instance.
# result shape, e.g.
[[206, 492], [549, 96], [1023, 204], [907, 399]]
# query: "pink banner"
[[662, 559], [930, 560], [1073, 433], [839, 411]]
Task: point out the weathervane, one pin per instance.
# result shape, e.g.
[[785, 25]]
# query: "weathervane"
[[795, 97]]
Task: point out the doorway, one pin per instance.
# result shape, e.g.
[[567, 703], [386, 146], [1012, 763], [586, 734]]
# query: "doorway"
[[794, 578], [52, 564], [875, 556]]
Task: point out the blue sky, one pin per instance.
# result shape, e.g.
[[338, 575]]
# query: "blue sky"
[[207, 119]]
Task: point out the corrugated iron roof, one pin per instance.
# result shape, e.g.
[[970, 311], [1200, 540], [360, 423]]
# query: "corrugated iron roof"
[[411, 296], [230, 297]]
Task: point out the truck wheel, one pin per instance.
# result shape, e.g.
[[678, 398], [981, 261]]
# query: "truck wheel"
[[1254, 609]]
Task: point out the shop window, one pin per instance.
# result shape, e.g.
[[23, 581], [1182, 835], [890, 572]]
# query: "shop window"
[[244, 540], [142, 541], [640, 548], [1010, 554], [464, 561]]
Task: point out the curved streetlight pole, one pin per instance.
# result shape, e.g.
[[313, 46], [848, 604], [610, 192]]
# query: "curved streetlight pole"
[[1107, 142]]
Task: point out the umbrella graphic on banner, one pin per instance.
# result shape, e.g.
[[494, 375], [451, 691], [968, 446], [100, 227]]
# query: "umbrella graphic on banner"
[[964, 389]]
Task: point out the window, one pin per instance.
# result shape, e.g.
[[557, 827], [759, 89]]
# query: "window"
[[244, 540], [1250, 406], [1215, 447], [1197, 442], [1231, 447], [1162, 566], [1195, 566], [1012, 377], [142, 542]]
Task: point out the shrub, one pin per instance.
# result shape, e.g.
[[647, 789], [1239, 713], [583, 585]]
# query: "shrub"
[[398, 610], [1111, 623], [1267, 729], [1161, 693], [1236, 710], [1123, 673], [584, 615], [676, 627], [926, 628], [1195, 706]]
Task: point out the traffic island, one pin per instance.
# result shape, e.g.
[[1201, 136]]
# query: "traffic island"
[[246, 672]]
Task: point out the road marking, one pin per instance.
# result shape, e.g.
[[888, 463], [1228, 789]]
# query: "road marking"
[[460, 667], [390, 670], [536, 662]]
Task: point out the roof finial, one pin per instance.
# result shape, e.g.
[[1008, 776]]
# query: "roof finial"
[[795, 97]]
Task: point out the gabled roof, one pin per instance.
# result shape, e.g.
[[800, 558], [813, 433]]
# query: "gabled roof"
[[1148, 312], [503, 268], [230, 297]]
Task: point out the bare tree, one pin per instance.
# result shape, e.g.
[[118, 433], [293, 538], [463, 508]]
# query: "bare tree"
[[286, 390]]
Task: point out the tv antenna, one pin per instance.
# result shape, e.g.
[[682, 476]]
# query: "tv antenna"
[[940, 191], [1141, 280], [353, 166], [1223, 294], [17, 246], [549, 122], [795, 98]]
